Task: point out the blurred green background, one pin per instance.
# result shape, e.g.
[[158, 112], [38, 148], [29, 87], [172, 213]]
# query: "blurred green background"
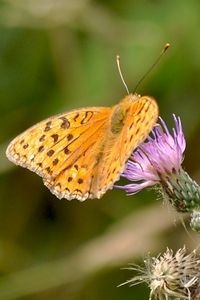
[[59, 55]]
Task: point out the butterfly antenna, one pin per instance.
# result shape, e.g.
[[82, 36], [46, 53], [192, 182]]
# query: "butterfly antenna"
[[120, 74], [152, 66]]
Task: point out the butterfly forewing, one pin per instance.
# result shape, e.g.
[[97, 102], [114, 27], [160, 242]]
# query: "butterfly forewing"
[[138, 117], [52, 147]]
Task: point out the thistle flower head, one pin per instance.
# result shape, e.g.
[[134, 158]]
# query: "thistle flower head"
[[170, 276], [158, 161], [157, 158]]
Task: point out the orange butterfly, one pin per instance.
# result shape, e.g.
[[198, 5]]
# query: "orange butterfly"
[[80, 154]]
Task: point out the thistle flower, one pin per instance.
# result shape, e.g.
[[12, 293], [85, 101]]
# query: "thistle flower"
[[170, 276], [158, 161]]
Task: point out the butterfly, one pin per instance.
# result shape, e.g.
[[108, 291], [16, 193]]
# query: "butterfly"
[[80, 154]]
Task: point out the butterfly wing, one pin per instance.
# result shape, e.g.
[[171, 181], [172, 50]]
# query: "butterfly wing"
[[131, 122], [62, 150]]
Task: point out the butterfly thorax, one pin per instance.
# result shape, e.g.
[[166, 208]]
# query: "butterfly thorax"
[[117, 120], [120, 112]]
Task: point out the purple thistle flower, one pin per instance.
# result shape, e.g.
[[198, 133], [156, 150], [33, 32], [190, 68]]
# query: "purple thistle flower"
[[158, 157], [158, 161]]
